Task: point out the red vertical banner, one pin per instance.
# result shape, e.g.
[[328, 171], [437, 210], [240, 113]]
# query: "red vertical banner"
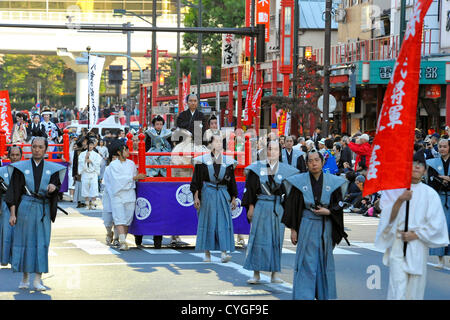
[[248, 100], [256, 101], [263, 15], [185, 87], [282, 122], [5, 114], [390, 167]]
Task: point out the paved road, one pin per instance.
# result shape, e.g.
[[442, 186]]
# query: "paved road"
[[82, 267]]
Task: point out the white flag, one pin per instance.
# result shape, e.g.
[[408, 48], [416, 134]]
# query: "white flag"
[[287, 128], [95, 74]]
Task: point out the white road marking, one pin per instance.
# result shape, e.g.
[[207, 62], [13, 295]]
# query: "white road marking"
[[285, 286], [161, 251], [93, 247], [336, 251]]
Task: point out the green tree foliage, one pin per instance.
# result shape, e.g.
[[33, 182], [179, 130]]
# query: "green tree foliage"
[[21, 73], [15, 74], [216, 14]]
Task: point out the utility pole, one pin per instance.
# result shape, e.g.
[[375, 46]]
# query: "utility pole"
[[402, 20], [295, 55], [153, 71], [178, 39], [128, 24], [199, 61], [326, 67], [252, 40]]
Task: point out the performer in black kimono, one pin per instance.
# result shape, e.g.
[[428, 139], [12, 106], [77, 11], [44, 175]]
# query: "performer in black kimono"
[[187, 118]]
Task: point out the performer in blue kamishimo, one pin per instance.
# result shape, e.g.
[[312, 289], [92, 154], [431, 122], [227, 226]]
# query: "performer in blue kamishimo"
[[6, 231], [214, 188], [313, 214], [263, 199], [32, 198]]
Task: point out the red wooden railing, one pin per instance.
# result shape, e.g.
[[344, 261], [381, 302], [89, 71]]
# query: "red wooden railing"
[[65, 156], [139, 156], [142, 166]]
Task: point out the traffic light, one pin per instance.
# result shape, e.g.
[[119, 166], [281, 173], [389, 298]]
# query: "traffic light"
[[352, 84], [261, 43], [115, 75]]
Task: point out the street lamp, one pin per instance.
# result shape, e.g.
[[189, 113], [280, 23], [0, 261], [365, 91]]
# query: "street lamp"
[[208, 72], [287, 34]]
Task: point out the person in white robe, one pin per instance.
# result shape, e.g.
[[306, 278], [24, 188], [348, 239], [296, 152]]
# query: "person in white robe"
[[427, 228], [112, 237], [120, 186], [89, 163]]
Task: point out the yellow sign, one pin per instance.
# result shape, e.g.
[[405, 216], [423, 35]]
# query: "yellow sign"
[[351, 106]]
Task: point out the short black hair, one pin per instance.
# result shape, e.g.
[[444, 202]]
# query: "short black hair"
[[329, 143], [213, 117], [158, 118]]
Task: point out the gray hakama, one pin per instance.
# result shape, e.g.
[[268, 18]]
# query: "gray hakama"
[[444, 193], [265, 241], [215, 225], [6, 231], [31, 238], [314, 271]]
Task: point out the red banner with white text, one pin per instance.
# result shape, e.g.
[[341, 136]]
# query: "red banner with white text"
[[5, 114], [248, 116], [390, 167]]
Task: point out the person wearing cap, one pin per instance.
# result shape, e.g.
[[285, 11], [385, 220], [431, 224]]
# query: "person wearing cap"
[[427, 228], [439, 179], [430, 152], [434, 140], [321, 146], [361, 147]]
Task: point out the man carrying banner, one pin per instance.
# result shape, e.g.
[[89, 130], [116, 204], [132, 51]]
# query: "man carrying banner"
[[412, 220], [427, 228]]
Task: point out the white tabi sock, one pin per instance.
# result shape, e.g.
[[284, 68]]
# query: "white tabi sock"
[[37, 282], [122, 237]]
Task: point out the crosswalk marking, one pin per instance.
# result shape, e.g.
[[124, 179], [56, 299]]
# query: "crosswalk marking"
[[93, 247], [161, 251], [336, 251]]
